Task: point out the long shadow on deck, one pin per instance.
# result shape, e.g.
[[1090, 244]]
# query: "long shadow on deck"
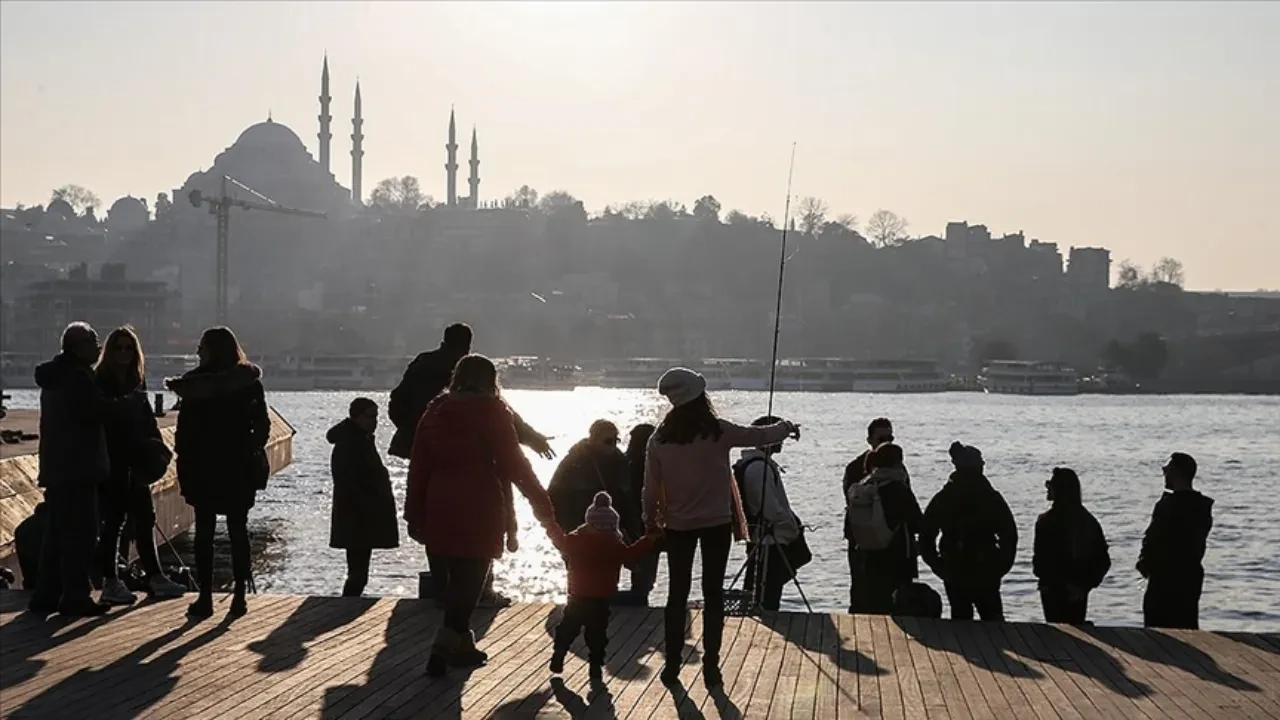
[[616, 664], [126, 687], [397, 682], [284, 648], [30, 634], [1155, 646], [1266, 642]]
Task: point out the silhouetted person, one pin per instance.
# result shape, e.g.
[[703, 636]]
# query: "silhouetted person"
[[364, 508], [689, 491], [884, 567], [772, 524], [879, 431], [1173, 549], [592, 465], [979, 538], [73, 462], [465, 459], [594, 554], [221, 443], [1071, 556], [644, 571], [126, 495]]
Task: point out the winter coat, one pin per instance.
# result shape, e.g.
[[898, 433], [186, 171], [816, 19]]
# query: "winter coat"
[[1174, 544], [364, 508], [425, 378], [595, 559], [1070, 548], [585, 470], [73, 441], [894, 565], [979, 536], [128, 422], [465, 459], [221, 437], [853, 474]]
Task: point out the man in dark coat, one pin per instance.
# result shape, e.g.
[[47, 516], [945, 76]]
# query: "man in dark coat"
[[879, 432], [73, 461], [979, 538], [592, 465], [364, 508], [1173, 549]]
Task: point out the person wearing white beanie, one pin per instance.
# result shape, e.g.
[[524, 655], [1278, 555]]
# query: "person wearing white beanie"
[[689, 492]]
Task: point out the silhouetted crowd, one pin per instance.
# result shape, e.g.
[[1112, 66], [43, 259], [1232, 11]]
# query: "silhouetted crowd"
[[673, 491]]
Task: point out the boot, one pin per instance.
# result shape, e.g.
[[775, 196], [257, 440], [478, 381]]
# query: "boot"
[[445, 642], [465, 653]]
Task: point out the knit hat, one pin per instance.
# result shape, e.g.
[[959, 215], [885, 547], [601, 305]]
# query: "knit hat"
[[966, 457], [681, 385], [601, 514]]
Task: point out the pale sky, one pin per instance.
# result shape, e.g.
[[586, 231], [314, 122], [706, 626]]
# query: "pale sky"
[[1152, 129]]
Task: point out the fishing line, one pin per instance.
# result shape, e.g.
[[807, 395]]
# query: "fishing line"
[[782, 271]]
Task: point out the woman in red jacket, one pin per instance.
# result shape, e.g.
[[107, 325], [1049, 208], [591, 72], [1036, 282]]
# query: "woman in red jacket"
[[465, 458]]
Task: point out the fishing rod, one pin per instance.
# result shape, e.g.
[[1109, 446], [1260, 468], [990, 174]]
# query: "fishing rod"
[[782, 271]]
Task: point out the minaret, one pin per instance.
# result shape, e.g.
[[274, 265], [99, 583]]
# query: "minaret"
[[474, 181], [324, 135], [357, 150], [451, 167]]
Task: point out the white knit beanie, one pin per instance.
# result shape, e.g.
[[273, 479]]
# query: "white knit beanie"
[[681, 385], [601, 514]]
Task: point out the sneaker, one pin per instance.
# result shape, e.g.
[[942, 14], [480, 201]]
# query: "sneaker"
[[162, 588], [200, 609], [238, 607], [557, 663], [494, 599], [91, 609], [115, 593]]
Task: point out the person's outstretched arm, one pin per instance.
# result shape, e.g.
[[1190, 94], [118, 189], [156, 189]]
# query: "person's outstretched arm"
[[756, 436], [513, 466], [531, 438]]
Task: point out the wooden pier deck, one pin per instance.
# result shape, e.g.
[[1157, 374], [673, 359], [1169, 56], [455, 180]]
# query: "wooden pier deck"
[[300, 657]]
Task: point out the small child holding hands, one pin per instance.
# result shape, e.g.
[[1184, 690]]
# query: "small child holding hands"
[[594, 553]]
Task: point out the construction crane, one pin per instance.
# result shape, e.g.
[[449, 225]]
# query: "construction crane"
[[221, 207]]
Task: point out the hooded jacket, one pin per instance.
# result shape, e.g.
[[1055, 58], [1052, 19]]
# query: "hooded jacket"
[[221, 435], [1070, 548], [73, 442], [364, 507], [465, 460], [1174, 544], [595, 559], [979, 536], [585, 470]]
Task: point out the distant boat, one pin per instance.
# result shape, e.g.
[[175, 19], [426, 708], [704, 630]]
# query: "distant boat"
[[1020, 377]]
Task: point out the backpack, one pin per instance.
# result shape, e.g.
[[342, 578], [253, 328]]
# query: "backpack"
[[739, 477], [867, 522]]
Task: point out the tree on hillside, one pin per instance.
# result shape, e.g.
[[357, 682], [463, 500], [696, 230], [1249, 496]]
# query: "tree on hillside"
[[525, 197], [886, 229], [849, 221], [1169, 271], [707, 207], [812, 213], [79, 198], [402, 194], [163, 204], [555, 200], [1144, 358], [1129, 276]]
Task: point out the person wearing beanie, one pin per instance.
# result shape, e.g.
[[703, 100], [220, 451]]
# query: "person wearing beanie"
[[979, 538], [594, 553], [1173, 549], [1071, 556], [690, 492], [594, 463]]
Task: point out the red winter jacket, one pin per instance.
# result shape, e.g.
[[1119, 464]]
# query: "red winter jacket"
[[595, 558], [465, 457]]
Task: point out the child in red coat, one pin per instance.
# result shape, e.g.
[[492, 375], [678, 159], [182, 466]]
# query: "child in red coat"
[[594, 554]]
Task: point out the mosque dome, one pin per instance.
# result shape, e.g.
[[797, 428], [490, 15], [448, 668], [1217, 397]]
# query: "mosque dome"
[[269, 135], [127, 214]]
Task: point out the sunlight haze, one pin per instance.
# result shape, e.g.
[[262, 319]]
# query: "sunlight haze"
[[1147, 128]]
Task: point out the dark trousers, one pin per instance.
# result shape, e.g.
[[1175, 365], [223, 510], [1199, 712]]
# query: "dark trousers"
[[681, 544], [1171, 605], [777, 573], [591, 615], [1059, 607], [66, 553], [851, 554], [357, 571], [238, 529], [459, 583], [985, 598], [129, 510], [644, 573]]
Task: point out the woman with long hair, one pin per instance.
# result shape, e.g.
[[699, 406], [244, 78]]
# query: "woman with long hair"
[[121, 375], [689, 491], [221, 439], [465, 459]]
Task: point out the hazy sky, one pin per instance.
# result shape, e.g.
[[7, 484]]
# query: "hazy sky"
[[1152, 129]]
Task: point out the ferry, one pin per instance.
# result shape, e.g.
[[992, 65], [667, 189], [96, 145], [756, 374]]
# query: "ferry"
[[17, 370], [899, 376], [330, 372], [1017, 377], [532, 373]]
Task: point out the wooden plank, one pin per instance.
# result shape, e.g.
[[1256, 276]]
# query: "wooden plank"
[[827, 701], [635, 669], [770, 667], [656, 695], [868, 683], [933, 679], [1208, 682], [806, 702], [1075, 702], [1045, 687], [892, 703], [784, 695], [1098, 684], [731, 667], [909, 685], [971, 653]]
